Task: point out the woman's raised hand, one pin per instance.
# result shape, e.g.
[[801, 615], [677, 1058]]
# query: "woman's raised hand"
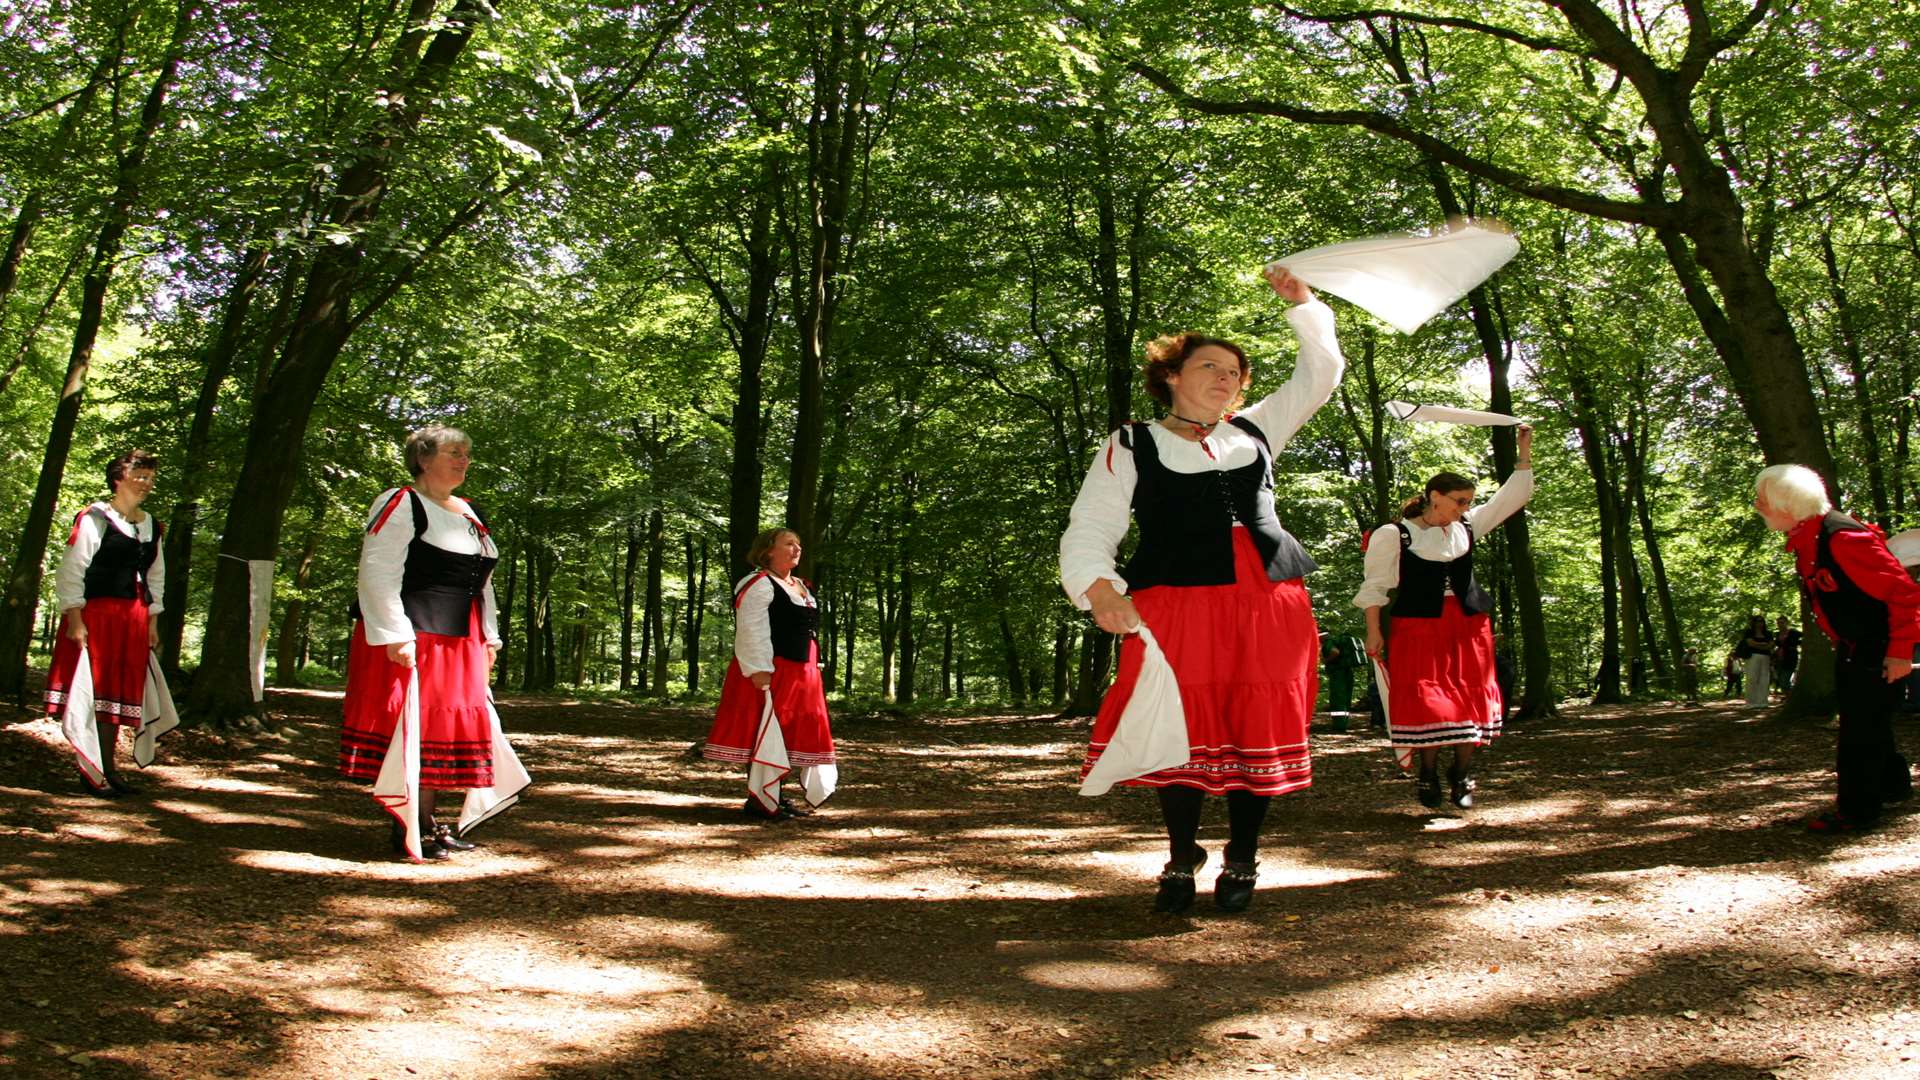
[[1288, 286]]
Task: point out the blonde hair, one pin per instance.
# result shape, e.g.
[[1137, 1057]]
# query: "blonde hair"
[[1794, 490], [762, 545]]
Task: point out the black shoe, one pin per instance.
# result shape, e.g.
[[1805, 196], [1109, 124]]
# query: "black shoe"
[[445, 837], [431, 851], [1427, 788], [789, 808], [108, 792], [1175, 894], [753, 809], [1233, 889], [1462, 786], [120, 786]]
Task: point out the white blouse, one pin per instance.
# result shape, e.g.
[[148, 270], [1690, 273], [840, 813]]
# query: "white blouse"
[[1103, 510], [383, 564], [70, 579], [753, 623], [1436, 543]]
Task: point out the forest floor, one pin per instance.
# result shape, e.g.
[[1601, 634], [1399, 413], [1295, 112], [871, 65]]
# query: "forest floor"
[[1632, 898]]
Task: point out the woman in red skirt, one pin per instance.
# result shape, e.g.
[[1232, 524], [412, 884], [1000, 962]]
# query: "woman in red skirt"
[[426, 610], [108, 586], [1442, 689], [1216, 580], [776, 663]]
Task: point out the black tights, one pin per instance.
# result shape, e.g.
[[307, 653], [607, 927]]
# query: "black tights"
[[1462, 758], [1246, 812]]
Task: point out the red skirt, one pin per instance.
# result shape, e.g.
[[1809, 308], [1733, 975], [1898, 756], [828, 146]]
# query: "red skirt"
[[799, 701], [1441, 689], [116, 655], [456, 726], [1247, 658]]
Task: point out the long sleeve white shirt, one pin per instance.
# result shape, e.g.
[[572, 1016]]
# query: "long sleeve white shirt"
[[1101, 513], [753, 621], [1438, 543], [70, 578], [383, 564]]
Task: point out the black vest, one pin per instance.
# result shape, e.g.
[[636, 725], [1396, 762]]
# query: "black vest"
[[439, 588], [1186, 519], [1422, 593], [119, 568], [792, 624], [1857, 621]]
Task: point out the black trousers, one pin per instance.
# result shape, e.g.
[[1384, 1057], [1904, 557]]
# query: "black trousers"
[[1869, 765]]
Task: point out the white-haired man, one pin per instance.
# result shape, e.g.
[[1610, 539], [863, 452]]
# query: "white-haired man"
[[1867, 604]]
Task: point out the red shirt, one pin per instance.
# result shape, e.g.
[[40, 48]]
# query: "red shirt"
[[1863, 555]]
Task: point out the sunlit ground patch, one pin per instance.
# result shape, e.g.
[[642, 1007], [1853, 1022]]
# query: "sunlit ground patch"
[[38, 893], [1098, 976], [465, 868], [240, 786], [611, 932], [390, 907], [214, 815]]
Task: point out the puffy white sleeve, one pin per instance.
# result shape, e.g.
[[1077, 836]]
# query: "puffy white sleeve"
[[489, 613], [1382, 571], [1316, 373], [753, 627], [157, 573], [70, 580], [1505, 503], [383, 563], [1098, 523]]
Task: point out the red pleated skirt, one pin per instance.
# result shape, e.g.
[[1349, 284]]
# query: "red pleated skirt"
[[116, 656], [799, 701], [1441, 689], [1247, 658], [456, 726]]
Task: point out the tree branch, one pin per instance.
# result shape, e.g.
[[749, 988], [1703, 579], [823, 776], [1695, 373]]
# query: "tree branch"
[[1583, 202], [1538, 44]]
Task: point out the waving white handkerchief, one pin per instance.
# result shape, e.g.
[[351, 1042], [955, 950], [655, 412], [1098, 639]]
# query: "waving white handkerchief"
[[1905, 547], [1152, 732], [1405, 278], [1447, 414]]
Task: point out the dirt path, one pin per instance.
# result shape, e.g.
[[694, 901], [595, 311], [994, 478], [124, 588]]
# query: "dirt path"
[[1630, 901]]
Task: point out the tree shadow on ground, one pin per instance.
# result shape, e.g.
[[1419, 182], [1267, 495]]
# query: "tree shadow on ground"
[[1630, 881]]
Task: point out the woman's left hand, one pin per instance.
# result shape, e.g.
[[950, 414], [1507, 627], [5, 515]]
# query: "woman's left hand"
[[493, 653], [1288, 286], [153, 633], [1523, 436]]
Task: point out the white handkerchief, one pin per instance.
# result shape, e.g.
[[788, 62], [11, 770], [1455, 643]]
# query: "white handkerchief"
[[1447, 414], [1152, 732], [1405, 278], [1905, 547]]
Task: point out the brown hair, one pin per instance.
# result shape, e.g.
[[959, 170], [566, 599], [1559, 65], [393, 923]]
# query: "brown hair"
[[427, 442], [1167, 354], [119, 467], [762, 545], [1442, 482]]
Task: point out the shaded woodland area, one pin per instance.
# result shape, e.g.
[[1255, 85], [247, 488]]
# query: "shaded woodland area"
[[883, 272]]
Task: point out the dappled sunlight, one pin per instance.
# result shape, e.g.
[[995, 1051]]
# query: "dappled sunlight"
[[507, 962], [390, 907], [295, 862], [32, 893], [214, 815], [1876, 860], [1097, 976], [615, 932], [238, 786]]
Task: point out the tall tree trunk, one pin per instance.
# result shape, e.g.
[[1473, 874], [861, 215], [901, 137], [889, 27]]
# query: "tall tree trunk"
[[946, 659], [836, 132], [423, 60], [1016, 676], [29, 564], [293, 622], [656, 602], [503, 605], [903, 684], [696, 610], [1062, 662], [190, 478], [1606, 689], [626, 606], [852, 602]]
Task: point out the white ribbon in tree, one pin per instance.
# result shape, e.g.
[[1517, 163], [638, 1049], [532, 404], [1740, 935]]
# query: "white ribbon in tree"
[[79, 725], [259, 613], [1152, 732], [1447, 414], [769, 765], [1905, 547], [1405, 278]]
